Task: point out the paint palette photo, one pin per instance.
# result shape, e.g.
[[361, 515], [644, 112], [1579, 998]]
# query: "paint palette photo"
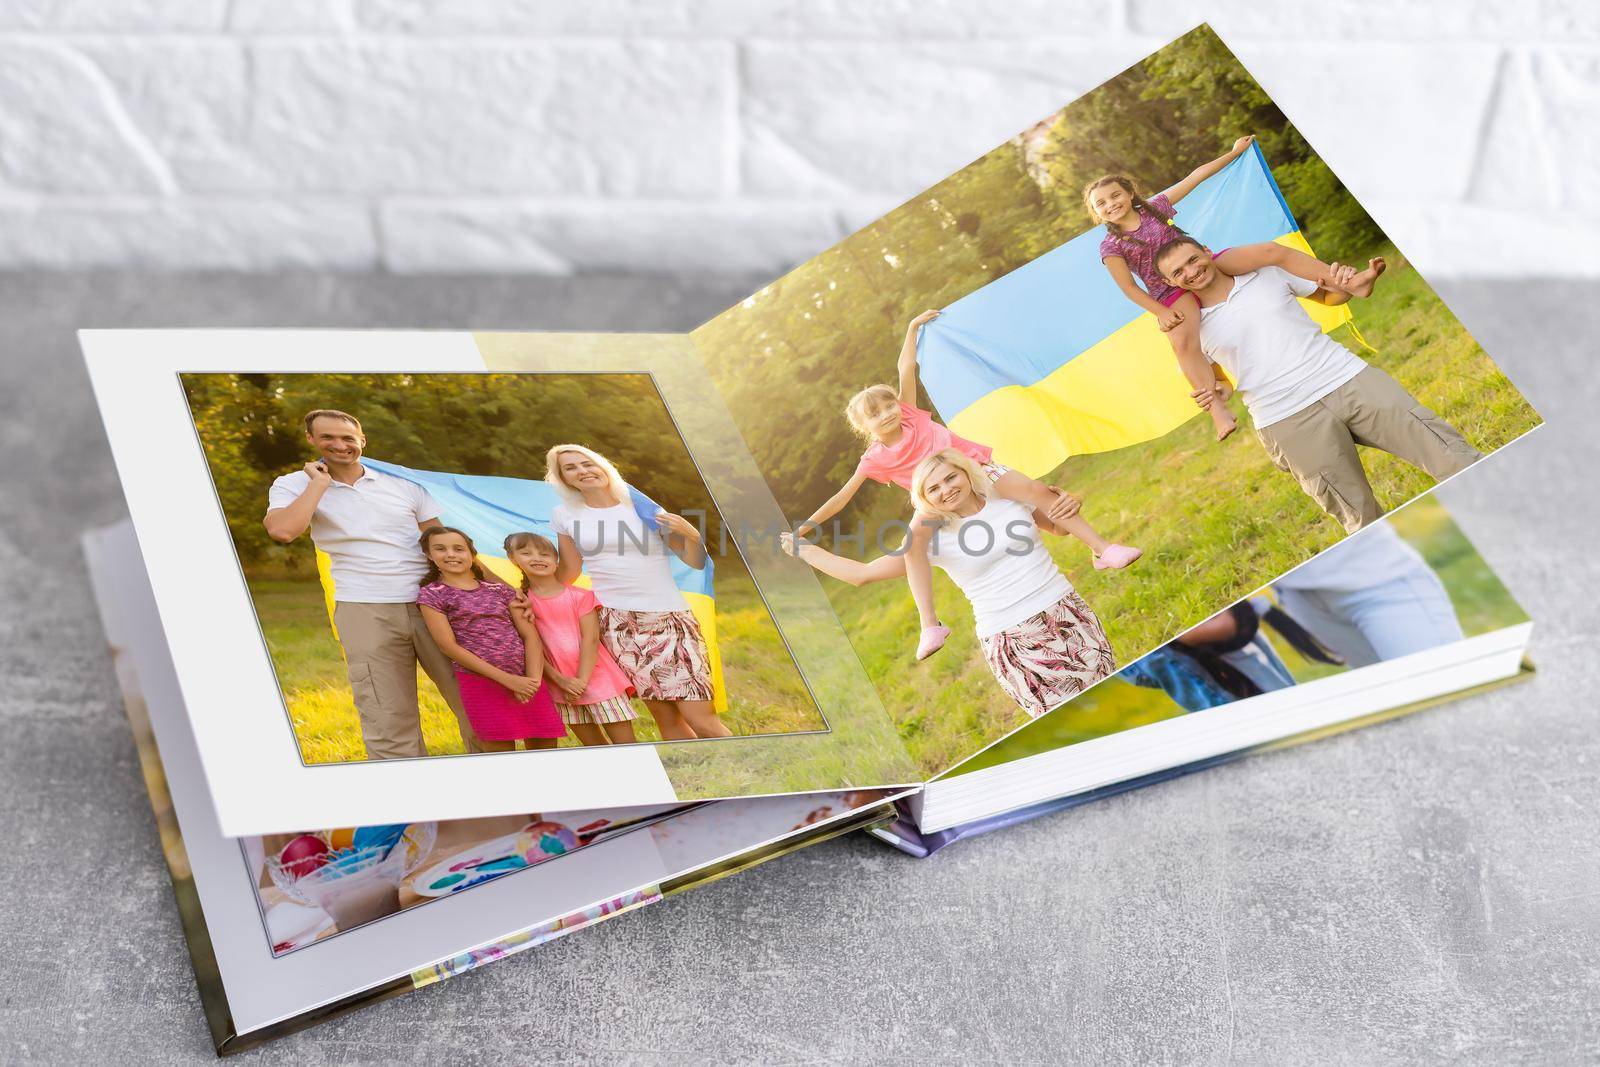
[[537, 842], [532, 845]]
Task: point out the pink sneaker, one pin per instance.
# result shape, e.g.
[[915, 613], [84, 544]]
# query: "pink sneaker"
[[932, 639], [1116, 557]]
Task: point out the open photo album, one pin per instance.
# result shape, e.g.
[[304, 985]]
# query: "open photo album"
[[292, 929], [1104, 459]]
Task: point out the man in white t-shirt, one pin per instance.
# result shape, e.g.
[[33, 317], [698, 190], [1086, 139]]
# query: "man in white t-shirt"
[[1312, 400], [369, 524]]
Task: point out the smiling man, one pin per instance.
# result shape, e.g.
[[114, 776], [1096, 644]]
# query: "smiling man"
[[369, 524], [1312, 400]]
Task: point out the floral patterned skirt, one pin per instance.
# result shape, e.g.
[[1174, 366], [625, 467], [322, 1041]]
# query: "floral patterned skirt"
[[662, 652], [1048, 658]]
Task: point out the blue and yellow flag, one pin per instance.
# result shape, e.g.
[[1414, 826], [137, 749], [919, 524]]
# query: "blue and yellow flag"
[[1052, 360], [489, 509]]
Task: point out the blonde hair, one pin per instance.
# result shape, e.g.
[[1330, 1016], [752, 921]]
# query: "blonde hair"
[[981, 485], [863, 404], [552, 474]]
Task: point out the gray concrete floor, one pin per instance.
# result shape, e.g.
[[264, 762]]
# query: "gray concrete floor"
[[1427, 890]]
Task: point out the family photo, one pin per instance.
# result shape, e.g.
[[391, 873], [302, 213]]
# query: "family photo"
[[1410, 583], [461, 563], [1154, 336]]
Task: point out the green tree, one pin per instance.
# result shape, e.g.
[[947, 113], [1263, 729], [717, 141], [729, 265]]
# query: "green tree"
[[251, 429], [789, 357], [1186, 104]]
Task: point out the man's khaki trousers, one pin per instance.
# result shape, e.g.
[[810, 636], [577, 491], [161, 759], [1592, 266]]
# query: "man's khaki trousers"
[[1317, 444], [383, 643]]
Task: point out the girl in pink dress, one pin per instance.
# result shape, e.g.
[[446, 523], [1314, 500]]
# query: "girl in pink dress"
[[498, 658], [1137, 228], [902, 435], [590, 689]]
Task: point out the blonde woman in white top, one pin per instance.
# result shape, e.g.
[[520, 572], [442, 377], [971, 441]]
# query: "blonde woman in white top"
[[645, 622], [1041, 641]]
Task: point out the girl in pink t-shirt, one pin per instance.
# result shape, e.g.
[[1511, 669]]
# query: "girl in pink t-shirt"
[[591, 690], [1137, 228], [902, 435]]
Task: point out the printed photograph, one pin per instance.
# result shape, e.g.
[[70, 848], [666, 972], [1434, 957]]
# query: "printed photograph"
[[1154, 333], [1410, 583], [458, 563], [315, 885]]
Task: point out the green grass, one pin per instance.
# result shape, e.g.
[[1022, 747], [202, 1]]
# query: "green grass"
[[766, 694], [1216, 521], [1482, 604]]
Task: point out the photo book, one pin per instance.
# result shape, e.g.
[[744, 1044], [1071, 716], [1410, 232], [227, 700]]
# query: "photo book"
[[1103, 460]]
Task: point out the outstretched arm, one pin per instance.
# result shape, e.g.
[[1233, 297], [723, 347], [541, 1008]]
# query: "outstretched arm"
[[1206, 170], [834, 504], [908, 358], [882, 569]]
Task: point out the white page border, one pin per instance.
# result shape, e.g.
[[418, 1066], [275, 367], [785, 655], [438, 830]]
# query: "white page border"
[[251, 760]]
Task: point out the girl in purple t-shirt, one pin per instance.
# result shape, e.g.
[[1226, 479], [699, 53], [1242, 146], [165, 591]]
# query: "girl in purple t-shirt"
[[498, 658], [1137, 228]]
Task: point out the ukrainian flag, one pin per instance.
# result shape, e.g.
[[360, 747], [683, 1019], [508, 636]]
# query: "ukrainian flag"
[[489, 509], [1051, 360]]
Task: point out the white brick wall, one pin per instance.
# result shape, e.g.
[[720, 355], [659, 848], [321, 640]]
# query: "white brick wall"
[[570, 135]]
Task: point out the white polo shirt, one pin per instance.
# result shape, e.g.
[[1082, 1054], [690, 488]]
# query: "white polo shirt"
[[628, 564], [369, 531], [1278, 357], [996, 558]]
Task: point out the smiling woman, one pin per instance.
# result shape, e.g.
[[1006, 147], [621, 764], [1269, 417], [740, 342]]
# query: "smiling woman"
[[1043, 644], [645, 622], [1041, 641]]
